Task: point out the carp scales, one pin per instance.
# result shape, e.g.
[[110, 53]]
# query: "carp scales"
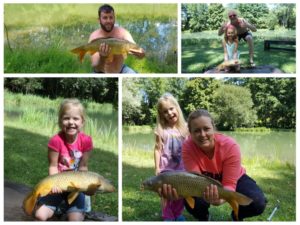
[[189, 185], [117, 47], [228, 64], [69, 181]]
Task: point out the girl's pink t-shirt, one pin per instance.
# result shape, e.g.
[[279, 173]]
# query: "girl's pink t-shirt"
[[70, 154], [225, 166]]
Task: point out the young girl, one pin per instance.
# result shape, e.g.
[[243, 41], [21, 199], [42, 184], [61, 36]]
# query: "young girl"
[[67, 150], [170, 133], [230, 46]]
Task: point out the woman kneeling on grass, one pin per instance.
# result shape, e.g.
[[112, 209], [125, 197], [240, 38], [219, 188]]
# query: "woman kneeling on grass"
[[218, 156]]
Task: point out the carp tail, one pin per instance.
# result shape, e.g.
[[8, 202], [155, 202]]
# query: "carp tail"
[[235, 199], [80, 52], [29, 203]]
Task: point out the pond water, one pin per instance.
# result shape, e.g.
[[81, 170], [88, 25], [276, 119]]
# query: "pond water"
[[276, 145]]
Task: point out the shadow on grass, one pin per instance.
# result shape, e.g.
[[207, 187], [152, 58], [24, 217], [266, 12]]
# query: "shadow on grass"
[[145, 206], [25, 162], [197, 57]]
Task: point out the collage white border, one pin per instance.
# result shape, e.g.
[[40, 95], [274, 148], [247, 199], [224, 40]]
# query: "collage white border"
[[178, 74]]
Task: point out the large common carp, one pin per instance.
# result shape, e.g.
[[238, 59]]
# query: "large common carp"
[[69, 181], [117, 47], [190, 185], [230, 64]]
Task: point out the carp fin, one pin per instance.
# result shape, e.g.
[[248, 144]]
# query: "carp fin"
[[124, 54], [92, 52], [92, 189], [190, 201], [216, 182], [235, 207], [72, 196]]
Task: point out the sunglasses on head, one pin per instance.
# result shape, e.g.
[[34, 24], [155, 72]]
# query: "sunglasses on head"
[[231, 16]]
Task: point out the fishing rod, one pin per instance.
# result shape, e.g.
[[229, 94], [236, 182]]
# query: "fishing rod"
[[274, 211]]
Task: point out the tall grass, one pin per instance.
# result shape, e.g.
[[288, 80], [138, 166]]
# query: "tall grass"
[[27, 15], [40, 36], [30, 121], [40, 114]]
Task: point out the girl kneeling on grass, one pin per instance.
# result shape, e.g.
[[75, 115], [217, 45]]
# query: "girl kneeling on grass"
[[170, 133], [68, 150]]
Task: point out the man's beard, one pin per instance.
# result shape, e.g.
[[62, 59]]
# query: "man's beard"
[[104, 28]]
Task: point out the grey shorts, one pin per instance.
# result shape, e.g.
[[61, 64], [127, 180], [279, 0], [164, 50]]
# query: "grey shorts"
[[244, 35]]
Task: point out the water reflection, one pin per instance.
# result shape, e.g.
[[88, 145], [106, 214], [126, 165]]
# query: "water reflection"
[[274, 145], [159, 39]]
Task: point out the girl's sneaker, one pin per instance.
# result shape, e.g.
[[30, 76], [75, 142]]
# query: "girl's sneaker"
[[180, 218]]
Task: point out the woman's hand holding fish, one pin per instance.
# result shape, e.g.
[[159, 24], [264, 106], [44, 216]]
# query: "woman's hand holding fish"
[[168, 192], [211, 195]]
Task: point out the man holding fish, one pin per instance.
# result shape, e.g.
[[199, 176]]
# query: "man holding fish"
[[104, 61], [215, 155]]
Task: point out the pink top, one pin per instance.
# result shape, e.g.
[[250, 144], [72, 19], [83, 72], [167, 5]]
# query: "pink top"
[[70, 154], [225, 165], [170, 158]]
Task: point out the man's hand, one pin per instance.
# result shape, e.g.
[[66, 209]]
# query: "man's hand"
[[138, 53], [104, 50]]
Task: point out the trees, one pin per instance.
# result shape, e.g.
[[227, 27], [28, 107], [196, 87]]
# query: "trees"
[[97, 89], [234, 102], [198, 94], [286, 14], [201, 17], [131, 102], [233, 107], [275, 101]]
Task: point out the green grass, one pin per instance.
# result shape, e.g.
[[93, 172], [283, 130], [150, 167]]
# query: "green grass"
[[40, 36], [203, 51], [27, 15], [30, 121], [277, 180], [137, 129]]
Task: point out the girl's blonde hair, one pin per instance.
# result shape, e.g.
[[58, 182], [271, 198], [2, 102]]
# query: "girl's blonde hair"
[[68, 103], [235, 37], [160, 119]]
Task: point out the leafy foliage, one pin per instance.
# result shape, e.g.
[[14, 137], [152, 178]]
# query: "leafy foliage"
[[232, 111], [234, 102], [97, 89], [202, 17]]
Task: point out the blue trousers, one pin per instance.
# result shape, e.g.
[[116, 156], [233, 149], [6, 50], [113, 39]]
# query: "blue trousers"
[[245, 185]]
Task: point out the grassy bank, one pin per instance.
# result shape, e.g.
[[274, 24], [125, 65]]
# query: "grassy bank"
[[30, 121], [277, 180], [39, 37], [202, 51]]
